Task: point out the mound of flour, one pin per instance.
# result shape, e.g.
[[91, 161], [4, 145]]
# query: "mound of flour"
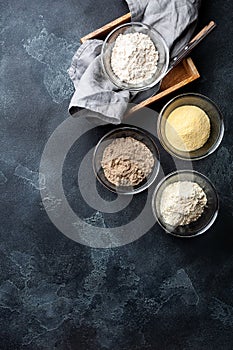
[[134, 58], [182, 202]]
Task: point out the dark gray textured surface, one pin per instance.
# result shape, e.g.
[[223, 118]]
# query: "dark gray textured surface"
[[156, 293]]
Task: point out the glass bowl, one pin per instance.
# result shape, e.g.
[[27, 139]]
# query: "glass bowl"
[[216, 125], [159, 43], [138, 134], [207, 218]]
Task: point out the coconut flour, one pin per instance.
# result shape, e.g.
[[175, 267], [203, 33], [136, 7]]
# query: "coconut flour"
[[134, 58], [182, 202], [126, 161]]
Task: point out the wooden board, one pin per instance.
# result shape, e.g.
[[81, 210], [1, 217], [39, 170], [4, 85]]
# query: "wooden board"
[[179, 76]]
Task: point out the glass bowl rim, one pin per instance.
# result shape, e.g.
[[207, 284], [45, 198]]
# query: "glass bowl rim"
[[166, 49], [212, 148], [140, 188], [177, 172]]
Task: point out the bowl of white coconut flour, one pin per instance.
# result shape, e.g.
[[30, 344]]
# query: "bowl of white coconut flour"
[[135, 57], [185, 203]]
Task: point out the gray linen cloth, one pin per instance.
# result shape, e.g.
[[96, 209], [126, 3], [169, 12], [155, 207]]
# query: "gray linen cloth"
[[174, 19]]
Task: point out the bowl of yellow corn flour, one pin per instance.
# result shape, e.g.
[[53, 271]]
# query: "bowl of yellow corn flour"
[[190, 126]]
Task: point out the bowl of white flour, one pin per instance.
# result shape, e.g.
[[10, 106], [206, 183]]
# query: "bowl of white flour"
[[185, 203], [135, 57]]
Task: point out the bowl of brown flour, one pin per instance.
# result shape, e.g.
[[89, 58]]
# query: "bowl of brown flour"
[[134, 56], [126, 160]]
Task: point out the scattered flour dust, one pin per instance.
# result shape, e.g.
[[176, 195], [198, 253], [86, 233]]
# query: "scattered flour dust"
[[134, 58], [182, 202], [55, 53]]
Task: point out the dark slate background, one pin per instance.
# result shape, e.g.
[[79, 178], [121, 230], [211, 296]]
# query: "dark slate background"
[[156, 293]]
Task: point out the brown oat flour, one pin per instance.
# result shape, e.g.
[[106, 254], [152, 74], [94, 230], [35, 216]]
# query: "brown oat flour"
[[126, 162]]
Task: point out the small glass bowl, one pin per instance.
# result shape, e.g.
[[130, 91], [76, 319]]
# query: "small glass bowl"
[[159, 43], [125, 131], [216, 125], [207, 218]]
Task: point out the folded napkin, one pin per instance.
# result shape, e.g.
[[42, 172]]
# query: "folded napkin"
[[174, 19]]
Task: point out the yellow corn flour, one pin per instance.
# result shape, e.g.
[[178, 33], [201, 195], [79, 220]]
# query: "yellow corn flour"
[[187, 128]]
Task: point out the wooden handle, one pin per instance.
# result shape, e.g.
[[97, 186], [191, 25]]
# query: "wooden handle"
[[204, 31], [190, 46]]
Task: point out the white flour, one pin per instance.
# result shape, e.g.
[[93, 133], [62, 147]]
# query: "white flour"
[[134, 58], [182, 202]]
